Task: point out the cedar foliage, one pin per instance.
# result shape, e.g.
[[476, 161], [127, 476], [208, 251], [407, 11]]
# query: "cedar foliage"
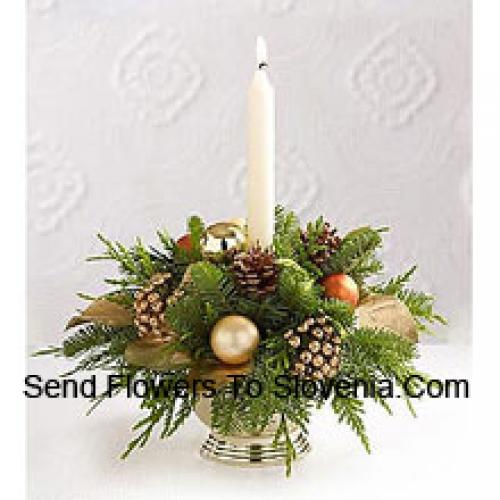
[[420, 304]]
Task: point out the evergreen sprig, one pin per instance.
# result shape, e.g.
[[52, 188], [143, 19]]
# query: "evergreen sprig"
[[351, 411], [97, 346], [314, 231], [356, 255], [286, 234], [420, 305], [167, 409], [298, 290], [196, 230], [94, 336], [375, 356], [137, 264]]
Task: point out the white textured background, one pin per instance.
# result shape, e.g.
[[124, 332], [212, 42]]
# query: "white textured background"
[[137, 119]]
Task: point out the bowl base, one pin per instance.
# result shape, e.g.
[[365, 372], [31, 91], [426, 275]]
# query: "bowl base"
[[245, 453]]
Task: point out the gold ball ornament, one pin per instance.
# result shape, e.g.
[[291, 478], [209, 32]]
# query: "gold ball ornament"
[[223, 236], [234, 339], [238, 221]]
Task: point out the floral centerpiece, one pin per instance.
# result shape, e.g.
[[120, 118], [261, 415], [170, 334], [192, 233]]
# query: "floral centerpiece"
[[252, 339]]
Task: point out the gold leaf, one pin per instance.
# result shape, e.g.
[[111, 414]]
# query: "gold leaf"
[[219, 372], [104, 312], [155, 356], [386, 311]]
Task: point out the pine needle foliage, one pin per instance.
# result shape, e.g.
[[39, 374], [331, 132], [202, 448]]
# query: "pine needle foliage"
[[356, 255], [314, 231], [94, 347], [286, 234], [94, 336], [166, 410], [196, 229], [420, 304], [373, 357], [369, 356], [136, 264], [351, 411]]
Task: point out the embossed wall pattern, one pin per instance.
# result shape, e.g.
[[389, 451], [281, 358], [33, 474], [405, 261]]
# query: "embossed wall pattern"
[[137, 119]]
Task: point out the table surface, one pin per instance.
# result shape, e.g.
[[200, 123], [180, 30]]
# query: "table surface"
[[71, 456]]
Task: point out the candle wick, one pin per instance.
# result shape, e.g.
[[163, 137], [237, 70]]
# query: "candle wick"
[[261, 52]]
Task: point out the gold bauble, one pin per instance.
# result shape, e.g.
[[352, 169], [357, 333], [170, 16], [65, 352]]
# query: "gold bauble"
[[238, 221], [234, 339], [386, 311], [223, 236]]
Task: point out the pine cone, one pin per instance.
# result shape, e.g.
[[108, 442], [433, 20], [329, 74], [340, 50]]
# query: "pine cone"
[[149, 307], [316, 343], [256, 271], [328, 241]]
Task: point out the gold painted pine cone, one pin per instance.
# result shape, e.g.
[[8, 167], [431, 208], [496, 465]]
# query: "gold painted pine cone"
[[149, 309], [317, 345]]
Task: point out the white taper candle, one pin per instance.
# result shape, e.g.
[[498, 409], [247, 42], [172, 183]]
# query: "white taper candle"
[[261, 153]]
